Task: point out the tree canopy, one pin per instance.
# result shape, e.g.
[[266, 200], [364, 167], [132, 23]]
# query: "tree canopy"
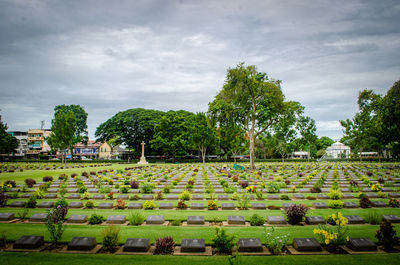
[[8, 143], [80, 119]]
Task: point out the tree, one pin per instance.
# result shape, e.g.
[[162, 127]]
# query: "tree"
[[202, 134], [306, 127], [172, 133], [390, 113], [324, 142], [253, 100], [63, 130], [80, 115], [284, 129], [130, 127], [8, 143]]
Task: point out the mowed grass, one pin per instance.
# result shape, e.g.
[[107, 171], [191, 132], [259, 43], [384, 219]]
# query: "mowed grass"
[[14, 231], [98, 259], [38, 175]]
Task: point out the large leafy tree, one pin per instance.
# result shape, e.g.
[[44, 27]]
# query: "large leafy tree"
[[391, 117], [284, 129], [307, 130], [63, 132], [324, 142], [254, 101], [172, 133], [80, 119], [8, 143], [202, 134], [130, 127]]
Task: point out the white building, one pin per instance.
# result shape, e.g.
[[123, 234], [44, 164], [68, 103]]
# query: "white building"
[[300, 154], [338, 150]]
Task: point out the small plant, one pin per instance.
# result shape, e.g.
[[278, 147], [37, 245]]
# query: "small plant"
[[146, 187], [136, 218], [296, 213], [31, 202], [82, 189], [120, 204], [212, 205], [244, 201], [110, 195], [134, 184], [257, 220], [3, 239], [284, 197], [272, 187], [276, 243], [386, 235], [259, 195], [182, 205], [185, 195], [89, 204], [373, 218], [244, 184], [111, 236], [149, 205], [47, 178], [166, 189], [365, 202], [124, 188], [3, 199], [24, 214], [335, 204], [96, 219], [394, 203], [62, 205], [134, 197], [55, 224], [176, 223], [164, 246], [223, 242], [335, 194], [30, 182], [335, 235], [159, 195]]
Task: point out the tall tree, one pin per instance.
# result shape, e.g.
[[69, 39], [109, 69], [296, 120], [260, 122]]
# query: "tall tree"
[[324, 142], [80, 118], [172, 133], [130, 127], [202, 134], [391, 117], [284, 129], [63, 132], [8, 143], [255, 101], [307, 129]]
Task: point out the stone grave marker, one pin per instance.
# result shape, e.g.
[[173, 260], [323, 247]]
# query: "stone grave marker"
[[306, 244], [105, 205], [287, 204], [166, 205], [29, 242], [197, 197], [361, 244], [258, 206], [320, 205], [137, 245], [77, 218], [172, 197], [322, 197], [116, 219], [228, 206], [223, 197], [147, 197], [354, 219], [50, 196], [273, 197], [82, 243], [350, 205], [75, 205], [195, 220], [123, 197], [98, 197], [155, 219], [74, 196], [250, 245], [379, 204], [391, 218], [193, 245], [236, 220], [6, 216], [17, 204], [38, 217], [314, 220], [135, 205], [276, 220], [196, 205], [46, 205]]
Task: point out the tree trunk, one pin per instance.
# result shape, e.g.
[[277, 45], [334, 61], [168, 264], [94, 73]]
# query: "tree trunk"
[[283, 158], [203, 153], [252, 146], [308, 155]]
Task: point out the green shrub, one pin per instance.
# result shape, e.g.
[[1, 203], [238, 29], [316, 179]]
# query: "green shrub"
[[89, 204], [134, 197], [111, 236], [373, 218], [146, 187], [222, 241], [335, 194], [335, 204], [95, 219], [394, 203], [176, 222], [185, 195], [257, 220], [164, 246], [55, 223], [275, 243], [386, 235], [284, 197], [31, 203], [136, 218], [149, 205]]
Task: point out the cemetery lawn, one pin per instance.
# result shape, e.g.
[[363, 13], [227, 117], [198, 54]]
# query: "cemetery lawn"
[[68, 259]]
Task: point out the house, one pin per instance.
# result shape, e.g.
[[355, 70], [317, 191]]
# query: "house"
[[88, 150], [105, 151], [337, 150], [37, 142]]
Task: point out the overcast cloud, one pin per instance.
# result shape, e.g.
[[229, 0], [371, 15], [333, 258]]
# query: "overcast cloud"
[[109, 56]]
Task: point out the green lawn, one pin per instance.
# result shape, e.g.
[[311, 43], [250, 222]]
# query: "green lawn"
[[68, 259]]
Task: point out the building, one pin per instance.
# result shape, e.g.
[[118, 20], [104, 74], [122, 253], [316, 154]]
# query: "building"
[[88, 150], [105, 151], [299, 155], [23, 143], [337, 150], [37, 142]]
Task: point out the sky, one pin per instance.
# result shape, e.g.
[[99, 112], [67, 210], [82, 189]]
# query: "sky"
[[110, 56]]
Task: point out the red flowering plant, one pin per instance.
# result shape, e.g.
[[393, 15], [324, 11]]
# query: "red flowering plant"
[[110, 195]]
